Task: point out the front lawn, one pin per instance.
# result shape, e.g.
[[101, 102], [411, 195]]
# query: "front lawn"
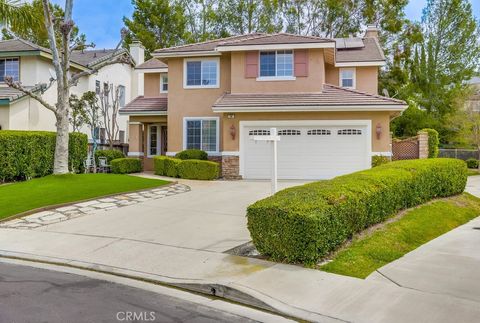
[[52, 190], [416, 227], [473, 172]]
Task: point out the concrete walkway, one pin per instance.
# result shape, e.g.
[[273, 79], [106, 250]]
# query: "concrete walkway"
[[473, 185]]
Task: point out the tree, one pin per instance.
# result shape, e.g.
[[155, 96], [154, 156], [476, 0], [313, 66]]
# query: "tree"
[[78, 117], [109, 106], [16, 14], [64, 78]]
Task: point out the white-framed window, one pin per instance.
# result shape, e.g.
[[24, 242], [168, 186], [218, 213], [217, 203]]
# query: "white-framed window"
[[289, 132], [164, 83], [276, 64], [9, 67], [349, 132], [97, 87], [347, 77], [201, 73], [153, 142], [121, 95], [201, 133]]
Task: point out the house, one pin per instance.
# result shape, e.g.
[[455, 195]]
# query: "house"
[[32, 65], [320, 94], [473, 101]]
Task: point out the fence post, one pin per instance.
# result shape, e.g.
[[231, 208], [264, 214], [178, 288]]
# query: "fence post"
[[422, 144]]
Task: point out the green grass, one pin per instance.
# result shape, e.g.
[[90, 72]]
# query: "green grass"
[[57, 189], [473, 172], [419, 225]]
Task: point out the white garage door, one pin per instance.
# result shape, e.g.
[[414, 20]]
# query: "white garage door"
[[306, 152]]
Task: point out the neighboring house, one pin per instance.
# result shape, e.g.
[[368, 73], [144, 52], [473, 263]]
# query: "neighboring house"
[[320, 94], [474, 100], [32, 65]]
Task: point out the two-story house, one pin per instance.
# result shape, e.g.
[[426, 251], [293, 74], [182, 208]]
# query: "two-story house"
[[32, 65], [320, 94]]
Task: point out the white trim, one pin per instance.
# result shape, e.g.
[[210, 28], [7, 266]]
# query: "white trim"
[[135, 154], [144, 113], [282, 123], [275, 78], [184, 134], [185, 60], [230, 153], [159, 139], [152, 70], [274, 46], [382, 153], [353, 64], [134, 123], [312, 108], [187, 54], [354, 77], [171, 153], [163, 83]]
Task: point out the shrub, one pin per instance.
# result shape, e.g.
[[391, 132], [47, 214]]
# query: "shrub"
[[472, 163], [171, 166], [305, 223], [126, 165], [29, 154], [110, 154], [159, 165], [433, 142], [192, 154], [198, 169], [379, 160]]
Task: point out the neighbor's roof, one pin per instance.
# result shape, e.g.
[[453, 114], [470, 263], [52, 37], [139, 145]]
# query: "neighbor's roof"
[[90, 58], [358, 50], [152, 63], [148, 106], [10, 94], [330, 99]]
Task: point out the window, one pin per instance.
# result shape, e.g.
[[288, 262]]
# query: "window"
[[289, 132], [347, 132], [201, 134], [164, 84], [276, 63], [347, 77], [153, 145], [259, 132], [201, 73], [121, 95], [106, 88], [9, 67], [319, 132], [97, 87]]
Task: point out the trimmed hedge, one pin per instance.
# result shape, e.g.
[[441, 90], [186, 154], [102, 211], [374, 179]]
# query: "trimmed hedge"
[[305, 223], [110, 154], [29, 154], [433, 142], [472, 163], [188, 169], [192, 154], [126, 165]]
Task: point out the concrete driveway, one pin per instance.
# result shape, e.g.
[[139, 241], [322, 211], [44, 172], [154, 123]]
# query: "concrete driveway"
[[210, 217]]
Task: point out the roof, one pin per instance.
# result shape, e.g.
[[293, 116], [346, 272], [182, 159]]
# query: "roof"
[[11, 94], [146, 105], [91, 57], [280, 38], [358, 50], [152, 63], [332, 98]]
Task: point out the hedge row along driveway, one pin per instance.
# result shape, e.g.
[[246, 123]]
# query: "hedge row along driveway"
[[58, 189], [304, 224]]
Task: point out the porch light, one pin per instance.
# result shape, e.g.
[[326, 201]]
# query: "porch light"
[[379, 130], [233, 132]]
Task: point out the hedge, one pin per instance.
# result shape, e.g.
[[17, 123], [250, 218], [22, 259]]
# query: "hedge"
[[305, 223], [433, 142], [110, 154], [192, 154], [472, 163], [126, 165], [29, 154], [188, 169], [380, 160]]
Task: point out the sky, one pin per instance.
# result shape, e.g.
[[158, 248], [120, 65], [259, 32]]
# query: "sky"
[[101, 20]]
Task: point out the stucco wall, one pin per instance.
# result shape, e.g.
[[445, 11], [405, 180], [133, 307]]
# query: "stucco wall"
[[312, 83], [366, 77], [152, 84], [4, 117]]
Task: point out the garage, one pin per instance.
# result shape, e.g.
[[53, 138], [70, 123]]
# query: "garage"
[[307, 149]]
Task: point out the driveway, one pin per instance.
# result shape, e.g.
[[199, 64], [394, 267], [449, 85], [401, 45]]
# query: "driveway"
[[211, 217]]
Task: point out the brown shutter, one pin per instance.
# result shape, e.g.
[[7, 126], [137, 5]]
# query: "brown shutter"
[[301, 62], [251, 64]]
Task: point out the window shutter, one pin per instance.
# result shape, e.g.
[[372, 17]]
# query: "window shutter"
[[301, 62], [251, 64]]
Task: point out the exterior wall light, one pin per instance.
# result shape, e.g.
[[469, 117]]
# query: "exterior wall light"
[[233, 132], [379, 131]]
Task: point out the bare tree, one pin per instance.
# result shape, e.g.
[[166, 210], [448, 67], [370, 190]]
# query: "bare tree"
[[64, 78], [109, 105]]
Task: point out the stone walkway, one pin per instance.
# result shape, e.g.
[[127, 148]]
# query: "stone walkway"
[[79, 209]]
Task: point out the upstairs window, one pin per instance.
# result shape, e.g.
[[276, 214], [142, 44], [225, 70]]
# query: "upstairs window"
[[202, 73], [276, 63], [97, 87], [164, 84], [347, 77], [121, 95], [9, 67]]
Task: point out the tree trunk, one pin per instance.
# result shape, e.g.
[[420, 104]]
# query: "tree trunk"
[[60, 165]]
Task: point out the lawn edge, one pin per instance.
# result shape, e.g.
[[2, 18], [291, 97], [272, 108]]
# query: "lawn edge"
[[56, 206]]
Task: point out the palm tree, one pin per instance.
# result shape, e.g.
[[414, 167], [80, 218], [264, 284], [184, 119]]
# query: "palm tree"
[[16, 14]]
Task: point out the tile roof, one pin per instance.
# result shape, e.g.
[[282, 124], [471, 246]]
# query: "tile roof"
[[280, 38], [152, 63], [331, 96], [371, 51], [91, 57], [20, 45], [11, 94], [143, 104]]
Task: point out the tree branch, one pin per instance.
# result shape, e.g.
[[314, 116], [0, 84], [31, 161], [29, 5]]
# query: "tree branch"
[[18, 86]]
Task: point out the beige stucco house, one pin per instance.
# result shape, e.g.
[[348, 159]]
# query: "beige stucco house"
[[320, 94], [32, 65]]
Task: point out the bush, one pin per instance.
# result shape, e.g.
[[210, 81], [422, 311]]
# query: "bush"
[[472, 163], [379, 160], [198, 169], [192, 154], [110, 154], [171, 167], [159, 165], [126, 165], [29, 154], [433, 142], [305, 223]]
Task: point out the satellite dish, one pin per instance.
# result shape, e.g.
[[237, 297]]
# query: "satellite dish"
[[53, 76]]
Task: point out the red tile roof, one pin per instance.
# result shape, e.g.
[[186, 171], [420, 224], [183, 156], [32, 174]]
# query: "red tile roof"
[[152, 63], [146, 105]]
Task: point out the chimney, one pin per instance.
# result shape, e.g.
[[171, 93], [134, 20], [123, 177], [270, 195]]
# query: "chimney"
[[372, 31], [137, 51]]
